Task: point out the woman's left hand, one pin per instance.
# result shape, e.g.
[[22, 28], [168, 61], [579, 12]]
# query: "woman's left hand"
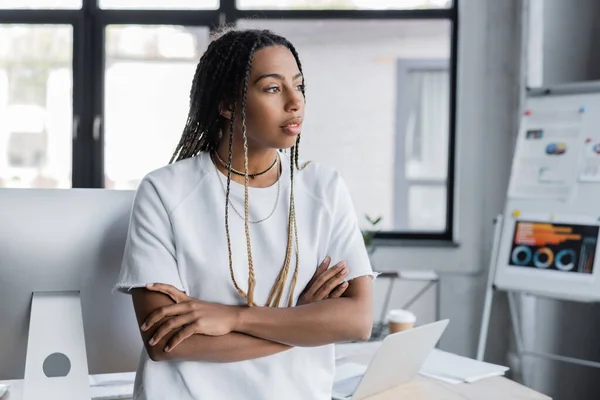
[[192, 315]]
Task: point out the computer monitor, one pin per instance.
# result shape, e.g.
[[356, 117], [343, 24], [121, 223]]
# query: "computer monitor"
[[65, 241]]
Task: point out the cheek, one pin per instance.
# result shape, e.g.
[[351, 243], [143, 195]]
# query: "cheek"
[[262, 117]]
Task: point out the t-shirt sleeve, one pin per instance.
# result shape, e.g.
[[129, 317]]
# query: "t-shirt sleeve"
[[347, 243], [149, 255]]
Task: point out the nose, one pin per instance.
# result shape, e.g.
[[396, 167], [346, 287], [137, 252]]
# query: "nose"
[[295, 101]]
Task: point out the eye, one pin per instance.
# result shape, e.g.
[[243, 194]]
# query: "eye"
[[301, 87], [272, 89]]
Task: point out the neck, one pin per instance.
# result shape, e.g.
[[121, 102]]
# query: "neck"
[[258, 161]]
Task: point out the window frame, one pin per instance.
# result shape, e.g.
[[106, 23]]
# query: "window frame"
[[89, 25]]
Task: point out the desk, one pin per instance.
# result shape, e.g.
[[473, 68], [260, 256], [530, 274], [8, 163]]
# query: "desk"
[[496, 388], [421, 388]]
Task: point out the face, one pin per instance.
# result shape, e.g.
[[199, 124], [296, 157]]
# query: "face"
[[274, 102]]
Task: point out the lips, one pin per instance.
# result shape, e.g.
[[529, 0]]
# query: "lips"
[[293, 126]]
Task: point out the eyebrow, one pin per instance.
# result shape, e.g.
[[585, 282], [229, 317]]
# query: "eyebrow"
[[277, 76]]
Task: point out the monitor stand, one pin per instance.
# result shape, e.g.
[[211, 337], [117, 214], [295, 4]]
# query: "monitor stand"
[[56, 364]]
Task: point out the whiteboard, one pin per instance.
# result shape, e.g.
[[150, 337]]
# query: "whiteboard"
[[549, 239]]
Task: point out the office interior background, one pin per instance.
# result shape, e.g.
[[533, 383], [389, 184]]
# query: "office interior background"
[[415, 102]]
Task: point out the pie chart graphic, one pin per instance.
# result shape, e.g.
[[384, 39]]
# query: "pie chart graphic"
[[521, 255], [543, 258], [556, 148], [565, 259]]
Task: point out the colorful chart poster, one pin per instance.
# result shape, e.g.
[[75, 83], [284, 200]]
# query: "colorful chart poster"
[[554, 246]]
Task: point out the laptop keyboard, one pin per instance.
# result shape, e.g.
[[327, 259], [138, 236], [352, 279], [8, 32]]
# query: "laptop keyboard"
[[347, 386]]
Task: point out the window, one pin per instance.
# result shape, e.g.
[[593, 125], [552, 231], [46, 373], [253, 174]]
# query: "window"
[[160, 4], [423, 101], [35, 105], [342, 4], [95, 93], [148, 76], [39, 4]]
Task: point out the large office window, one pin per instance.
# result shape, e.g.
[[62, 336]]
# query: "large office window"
[[94, 93]]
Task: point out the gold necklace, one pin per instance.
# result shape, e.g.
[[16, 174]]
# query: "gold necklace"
[[251, 176]]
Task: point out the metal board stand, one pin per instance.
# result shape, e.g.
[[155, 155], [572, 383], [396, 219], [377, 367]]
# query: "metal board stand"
[[513, 299]]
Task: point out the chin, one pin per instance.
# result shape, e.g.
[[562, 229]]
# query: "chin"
[[279, 141], [287, 142]]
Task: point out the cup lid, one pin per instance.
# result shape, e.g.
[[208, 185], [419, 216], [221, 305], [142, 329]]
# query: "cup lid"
[[401, 316]]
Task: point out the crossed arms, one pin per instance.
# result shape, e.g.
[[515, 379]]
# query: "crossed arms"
[[189, 329]]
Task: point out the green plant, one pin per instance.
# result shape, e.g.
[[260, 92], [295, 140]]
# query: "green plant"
[[369, 234]]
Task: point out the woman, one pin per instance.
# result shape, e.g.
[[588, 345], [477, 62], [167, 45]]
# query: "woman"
[[236, 310]]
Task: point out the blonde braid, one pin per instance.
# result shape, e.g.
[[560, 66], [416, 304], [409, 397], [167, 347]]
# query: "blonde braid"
[[278, 287], [295, 278], [228, 191], [251, 278]]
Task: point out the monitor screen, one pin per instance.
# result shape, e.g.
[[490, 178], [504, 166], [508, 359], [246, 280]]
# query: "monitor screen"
[[65, 240]]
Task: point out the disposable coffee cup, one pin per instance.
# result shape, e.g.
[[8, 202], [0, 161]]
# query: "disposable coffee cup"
[[400, 320]]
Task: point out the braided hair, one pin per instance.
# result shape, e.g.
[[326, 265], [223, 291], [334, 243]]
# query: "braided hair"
[[223, 71]]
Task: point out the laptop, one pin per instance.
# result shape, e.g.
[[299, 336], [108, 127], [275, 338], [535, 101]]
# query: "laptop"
[[397, 361]]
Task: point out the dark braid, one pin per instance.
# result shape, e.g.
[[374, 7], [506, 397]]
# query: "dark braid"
[[220, 79]]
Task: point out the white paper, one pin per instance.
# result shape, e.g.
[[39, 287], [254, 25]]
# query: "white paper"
[[112, 386], [452, 381], [590, 169], [112, 379], [418, 275], [451, 366], [547, 153]]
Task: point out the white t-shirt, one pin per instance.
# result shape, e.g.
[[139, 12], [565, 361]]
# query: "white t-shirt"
[[177, 236]]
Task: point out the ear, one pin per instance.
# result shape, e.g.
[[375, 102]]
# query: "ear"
[[225, 112]]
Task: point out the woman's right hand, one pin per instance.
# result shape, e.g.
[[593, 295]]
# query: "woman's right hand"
[[325, 283]]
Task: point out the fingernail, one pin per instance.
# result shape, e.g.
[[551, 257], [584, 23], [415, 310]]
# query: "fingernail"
[[326, 260], [167, 349], [151, 342], [344, 271], [344, 284], [144, 327], [342, 264], [150, 285]]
